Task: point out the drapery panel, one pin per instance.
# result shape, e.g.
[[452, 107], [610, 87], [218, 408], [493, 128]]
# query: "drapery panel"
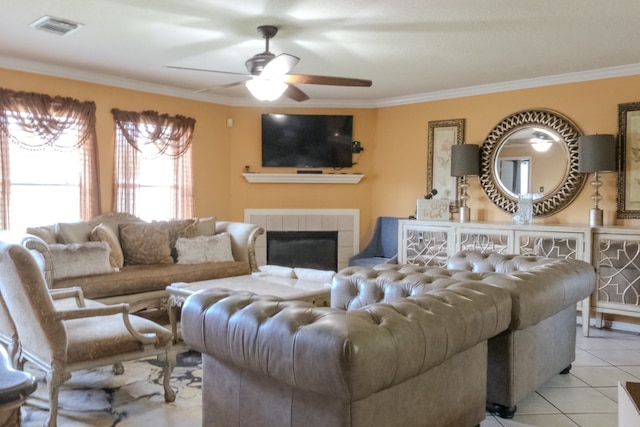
[[50, 118], [145, 136]]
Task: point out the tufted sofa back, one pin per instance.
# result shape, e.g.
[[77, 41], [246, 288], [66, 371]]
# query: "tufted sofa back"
[[539, 287], [348, 354]]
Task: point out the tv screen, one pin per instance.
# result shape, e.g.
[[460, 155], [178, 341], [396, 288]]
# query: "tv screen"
[[306, 140]]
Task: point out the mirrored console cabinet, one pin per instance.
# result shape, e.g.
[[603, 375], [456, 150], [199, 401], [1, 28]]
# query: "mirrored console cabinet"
[[613, 251]]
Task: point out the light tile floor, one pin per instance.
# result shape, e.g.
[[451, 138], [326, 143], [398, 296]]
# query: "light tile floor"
[[588, 396]]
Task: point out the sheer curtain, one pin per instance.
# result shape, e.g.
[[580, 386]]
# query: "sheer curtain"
[[51, 119], [142, 137]]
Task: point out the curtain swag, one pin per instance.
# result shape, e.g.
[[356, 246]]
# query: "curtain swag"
[[48, 117], [155, 134]]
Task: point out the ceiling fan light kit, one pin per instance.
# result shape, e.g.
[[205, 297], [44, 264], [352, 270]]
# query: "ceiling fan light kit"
[[266, 89], [269, 77]]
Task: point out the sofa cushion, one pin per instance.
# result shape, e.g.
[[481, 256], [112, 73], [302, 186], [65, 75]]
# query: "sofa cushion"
[[201, 249], [47, 233], [136, 279], [102, 233], [144, 243], [80, 259]]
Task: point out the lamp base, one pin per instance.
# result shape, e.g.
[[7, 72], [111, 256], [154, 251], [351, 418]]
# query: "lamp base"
[[465, 214], [595, 217]]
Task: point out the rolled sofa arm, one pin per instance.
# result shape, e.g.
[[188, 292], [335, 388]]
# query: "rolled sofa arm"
[[243, 240], [36, 246], [349, 354]]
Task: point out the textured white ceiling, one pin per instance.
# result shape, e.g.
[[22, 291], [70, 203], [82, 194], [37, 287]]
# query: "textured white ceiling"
[[411, 49]]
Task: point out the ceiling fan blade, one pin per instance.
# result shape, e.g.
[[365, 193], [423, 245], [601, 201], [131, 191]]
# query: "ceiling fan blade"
[[326, 80], [295, 93], [204, 69], [220, 87], [279, 65]]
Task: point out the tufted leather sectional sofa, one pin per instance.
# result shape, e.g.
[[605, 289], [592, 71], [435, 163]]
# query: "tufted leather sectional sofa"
[[401, 344], [417, 361], [540, 340]]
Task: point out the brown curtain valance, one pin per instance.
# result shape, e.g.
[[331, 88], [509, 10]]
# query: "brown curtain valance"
[[48, 117], [154, 134]]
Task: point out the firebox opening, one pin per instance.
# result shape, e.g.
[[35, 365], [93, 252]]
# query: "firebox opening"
[[306, 249]]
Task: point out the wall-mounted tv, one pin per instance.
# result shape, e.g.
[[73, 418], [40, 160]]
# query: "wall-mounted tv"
[[307, 140]]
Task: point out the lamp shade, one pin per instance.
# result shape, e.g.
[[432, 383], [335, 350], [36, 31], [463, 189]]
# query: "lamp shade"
[[465, 159], [596, 153]]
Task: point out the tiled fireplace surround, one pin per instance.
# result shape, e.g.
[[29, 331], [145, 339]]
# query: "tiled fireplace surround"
[[345, 221]]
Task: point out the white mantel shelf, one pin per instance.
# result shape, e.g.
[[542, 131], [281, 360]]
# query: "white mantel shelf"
[[303, 178]]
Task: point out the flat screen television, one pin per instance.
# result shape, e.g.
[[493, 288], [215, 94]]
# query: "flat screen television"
[[307, 140]]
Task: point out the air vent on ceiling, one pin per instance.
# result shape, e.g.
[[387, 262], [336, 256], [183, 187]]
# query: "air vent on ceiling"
[[58, 26]]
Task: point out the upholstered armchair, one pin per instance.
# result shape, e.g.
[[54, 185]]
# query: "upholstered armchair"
[[62, 338], [383, 246]]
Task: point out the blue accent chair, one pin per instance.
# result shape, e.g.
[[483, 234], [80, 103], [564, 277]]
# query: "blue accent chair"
[[383, 246]]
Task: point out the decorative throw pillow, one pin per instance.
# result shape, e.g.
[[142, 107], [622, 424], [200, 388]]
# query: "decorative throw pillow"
[[201, 249], [206, 226], [74, 232], [80, 259], [177, 228], [103, 233], [144, 243], [46, 233]]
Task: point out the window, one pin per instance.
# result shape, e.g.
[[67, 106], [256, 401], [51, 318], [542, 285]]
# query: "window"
[[47, 172], [153, 178], [45, 184]]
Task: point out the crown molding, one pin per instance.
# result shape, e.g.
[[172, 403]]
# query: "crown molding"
[[602, 73], [132, 84]]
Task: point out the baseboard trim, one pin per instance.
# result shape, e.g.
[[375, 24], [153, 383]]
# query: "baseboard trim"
[[616, 325]]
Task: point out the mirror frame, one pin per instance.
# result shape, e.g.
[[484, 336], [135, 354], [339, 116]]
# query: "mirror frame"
[[564, 193]]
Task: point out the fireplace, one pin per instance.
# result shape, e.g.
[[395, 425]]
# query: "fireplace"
[[307, 249], [345, 221]]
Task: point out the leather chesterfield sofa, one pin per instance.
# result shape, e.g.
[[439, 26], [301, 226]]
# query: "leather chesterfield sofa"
[[540, 340], [418, 361]]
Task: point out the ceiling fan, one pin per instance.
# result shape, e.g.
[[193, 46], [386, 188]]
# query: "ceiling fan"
[[269, 77]]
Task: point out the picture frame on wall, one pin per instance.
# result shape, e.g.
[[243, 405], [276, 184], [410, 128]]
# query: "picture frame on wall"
[[442, 135], [628, 160]]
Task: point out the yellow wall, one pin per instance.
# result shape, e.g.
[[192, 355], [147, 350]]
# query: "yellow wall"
[[211, 151], [245, 144], [394, 139], [402, 136]]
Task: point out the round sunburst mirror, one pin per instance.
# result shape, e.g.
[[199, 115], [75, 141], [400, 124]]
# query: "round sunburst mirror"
[[532, 151]]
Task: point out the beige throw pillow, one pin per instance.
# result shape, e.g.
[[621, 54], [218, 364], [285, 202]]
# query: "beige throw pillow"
[[74, 232], [144, 243], [206, 226], [202, 249], [80, 259], [104, 233]]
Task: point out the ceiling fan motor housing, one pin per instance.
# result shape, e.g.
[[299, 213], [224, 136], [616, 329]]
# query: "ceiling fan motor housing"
[[256, 63]]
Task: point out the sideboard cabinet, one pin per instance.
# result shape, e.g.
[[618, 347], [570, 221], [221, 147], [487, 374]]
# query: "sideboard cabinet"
[[614, 252]]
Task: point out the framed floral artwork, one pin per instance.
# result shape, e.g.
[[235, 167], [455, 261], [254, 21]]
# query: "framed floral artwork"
[[442, 135], [629, 160]]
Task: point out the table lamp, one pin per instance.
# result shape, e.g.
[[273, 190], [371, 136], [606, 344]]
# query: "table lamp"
[[465, 161], [596, 153]]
